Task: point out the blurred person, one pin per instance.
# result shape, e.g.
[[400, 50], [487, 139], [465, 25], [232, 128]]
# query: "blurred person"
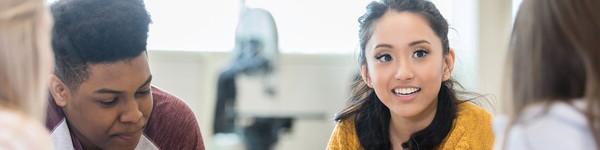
[[555, 56], [25, 68]]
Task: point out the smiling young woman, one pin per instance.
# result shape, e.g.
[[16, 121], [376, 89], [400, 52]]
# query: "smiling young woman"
[[406, 98]]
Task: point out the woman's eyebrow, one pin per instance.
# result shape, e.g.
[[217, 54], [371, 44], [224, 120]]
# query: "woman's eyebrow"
[[410, 44], [418, 42], [383, 46]]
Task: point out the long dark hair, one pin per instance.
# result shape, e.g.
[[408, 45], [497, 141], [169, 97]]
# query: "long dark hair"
[[556, 55], [371, 116]]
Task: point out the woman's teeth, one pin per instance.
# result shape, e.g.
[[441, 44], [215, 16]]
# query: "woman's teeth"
[[406, 91]]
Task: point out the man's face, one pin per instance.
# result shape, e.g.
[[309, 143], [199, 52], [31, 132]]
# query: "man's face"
[[110, 109]]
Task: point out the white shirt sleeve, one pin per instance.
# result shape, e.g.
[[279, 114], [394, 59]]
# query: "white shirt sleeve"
[[560, 128]]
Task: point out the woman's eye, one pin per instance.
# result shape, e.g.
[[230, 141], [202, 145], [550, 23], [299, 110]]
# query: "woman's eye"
[[420, 53], [384, 58]]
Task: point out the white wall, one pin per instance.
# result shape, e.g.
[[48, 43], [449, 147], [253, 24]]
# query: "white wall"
[[494, 31], [308, 85]]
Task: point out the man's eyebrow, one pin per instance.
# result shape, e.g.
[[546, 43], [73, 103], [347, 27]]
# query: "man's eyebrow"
[[146, 82], [108, 91]]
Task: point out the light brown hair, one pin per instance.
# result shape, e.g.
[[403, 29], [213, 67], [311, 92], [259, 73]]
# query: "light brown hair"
[[556, 55]]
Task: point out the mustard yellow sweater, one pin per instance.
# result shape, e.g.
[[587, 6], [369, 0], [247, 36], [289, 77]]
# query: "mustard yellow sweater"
[[472, 130]]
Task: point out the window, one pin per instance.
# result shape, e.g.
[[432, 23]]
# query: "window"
[[315, 26], [304, 26], [192, 25]]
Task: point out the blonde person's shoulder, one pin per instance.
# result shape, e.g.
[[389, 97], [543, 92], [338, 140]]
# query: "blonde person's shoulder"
[[472, 129], [344, 136], [21, 133]]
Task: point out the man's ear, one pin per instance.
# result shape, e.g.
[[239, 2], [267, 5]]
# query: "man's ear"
[[364, 73], [448, 64], [59, 91]]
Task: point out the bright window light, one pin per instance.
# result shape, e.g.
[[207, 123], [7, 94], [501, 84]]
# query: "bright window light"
[[304, 26]]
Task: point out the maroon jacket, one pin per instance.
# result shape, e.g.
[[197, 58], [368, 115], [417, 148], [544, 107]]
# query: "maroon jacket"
[[172, 125]]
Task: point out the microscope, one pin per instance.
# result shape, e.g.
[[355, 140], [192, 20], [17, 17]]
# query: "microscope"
[[255, 55]]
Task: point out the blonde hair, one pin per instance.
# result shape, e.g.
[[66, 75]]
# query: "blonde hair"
[[25, 56]]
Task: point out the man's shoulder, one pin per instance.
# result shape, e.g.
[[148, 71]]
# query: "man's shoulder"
[[161, 96], [168, 104], [172, 122], [168, 109]]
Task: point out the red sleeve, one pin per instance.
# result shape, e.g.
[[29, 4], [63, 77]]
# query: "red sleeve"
[[172, 124]]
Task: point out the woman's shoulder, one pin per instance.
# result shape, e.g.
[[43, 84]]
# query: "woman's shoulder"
[[472, 129], [471, 116], [345, 129], [344, 136], [539, 125], [347, 123], [19, 132], [468, 111]]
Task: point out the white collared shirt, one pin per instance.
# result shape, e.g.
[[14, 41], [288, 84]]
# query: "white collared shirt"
[[62, 139]]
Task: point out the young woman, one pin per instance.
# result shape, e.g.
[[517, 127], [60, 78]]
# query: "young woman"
[[555, 76], [25, 68], [406, 98]]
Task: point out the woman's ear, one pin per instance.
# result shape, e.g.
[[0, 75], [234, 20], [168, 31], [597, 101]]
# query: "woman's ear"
[[448, 64], [364, 73], [59, 91]]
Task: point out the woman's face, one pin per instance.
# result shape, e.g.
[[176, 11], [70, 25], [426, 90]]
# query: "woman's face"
[[405, 64]]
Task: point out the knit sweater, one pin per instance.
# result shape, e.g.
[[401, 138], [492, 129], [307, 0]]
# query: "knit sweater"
[[472, 129]]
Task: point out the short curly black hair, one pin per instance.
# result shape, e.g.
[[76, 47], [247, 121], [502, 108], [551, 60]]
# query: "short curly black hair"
[[96, 31]]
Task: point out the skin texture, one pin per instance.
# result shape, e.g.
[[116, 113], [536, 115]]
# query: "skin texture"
[[110, 109], [404, 52]]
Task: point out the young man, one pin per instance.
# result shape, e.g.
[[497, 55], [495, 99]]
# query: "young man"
[[101, 96]]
